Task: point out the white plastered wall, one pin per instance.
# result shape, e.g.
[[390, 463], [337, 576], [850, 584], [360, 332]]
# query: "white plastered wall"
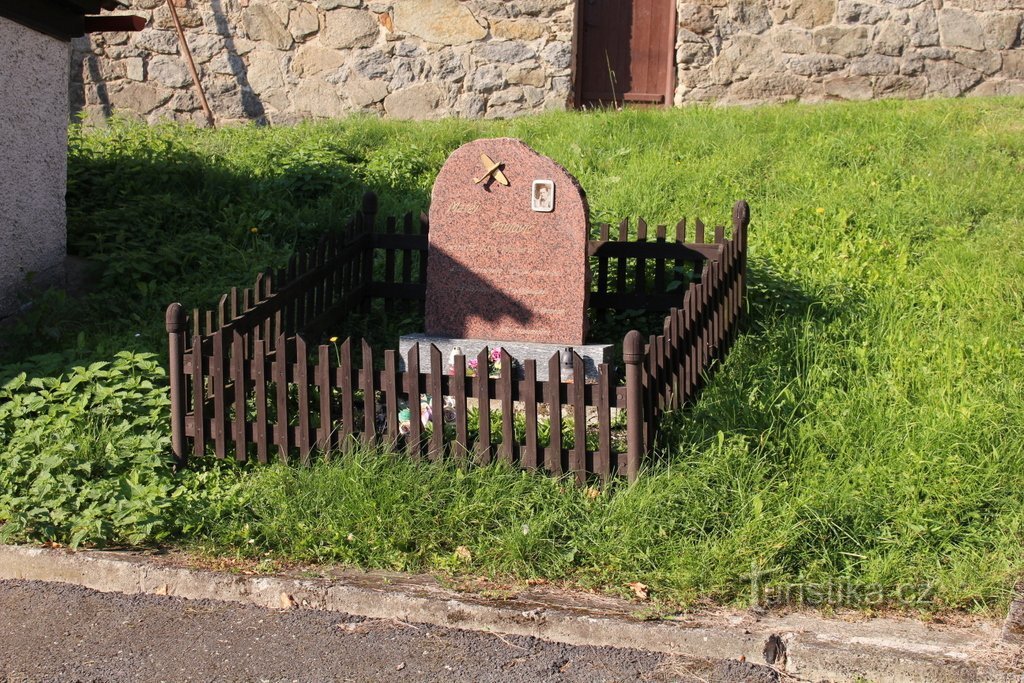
[[33, 160]]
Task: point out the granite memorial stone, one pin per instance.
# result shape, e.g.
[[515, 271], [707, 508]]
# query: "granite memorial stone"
[[508, 247]]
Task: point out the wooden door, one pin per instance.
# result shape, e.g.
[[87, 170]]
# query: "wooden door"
[[625, 52]]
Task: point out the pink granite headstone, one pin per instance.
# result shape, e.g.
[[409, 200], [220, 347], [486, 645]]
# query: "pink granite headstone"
[[506, 262]]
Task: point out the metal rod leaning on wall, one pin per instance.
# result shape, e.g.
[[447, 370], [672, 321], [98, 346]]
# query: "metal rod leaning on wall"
[[177, 326], [187, 53]]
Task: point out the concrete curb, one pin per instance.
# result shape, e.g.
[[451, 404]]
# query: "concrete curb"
[[815, 648]]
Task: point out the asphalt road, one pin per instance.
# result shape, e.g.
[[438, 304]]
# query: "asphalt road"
[[59, 632]]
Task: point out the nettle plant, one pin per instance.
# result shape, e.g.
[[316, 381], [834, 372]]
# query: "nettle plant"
[[83, 457]]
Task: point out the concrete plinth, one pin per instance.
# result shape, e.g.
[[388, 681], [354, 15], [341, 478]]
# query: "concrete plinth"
[[592, 354]]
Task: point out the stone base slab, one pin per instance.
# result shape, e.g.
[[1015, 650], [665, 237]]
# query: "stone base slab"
[[592, 354]]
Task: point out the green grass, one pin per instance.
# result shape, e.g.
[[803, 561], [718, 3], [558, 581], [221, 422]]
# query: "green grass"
[[863, 445]]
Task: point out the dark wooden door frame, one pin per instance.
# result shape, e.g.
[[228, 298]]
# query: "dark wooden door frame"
[[577, 48]]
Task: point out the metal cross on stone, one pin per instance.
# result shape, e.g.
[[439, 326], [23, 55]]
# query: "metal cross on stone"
[[493, 171]]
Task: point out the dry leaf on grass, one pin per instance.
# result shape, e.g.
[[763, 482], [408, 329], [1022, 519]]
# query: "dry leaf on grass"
[[640, 590], [462, 552]]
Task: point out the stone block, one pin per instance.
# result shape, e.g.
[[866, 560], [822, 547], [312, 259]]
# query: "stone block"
[[1013, 64], [140, 98], [791, 39], [303, 21], [558, 55], [527, 74], [811, 13], [816, 65], [487, 79], [856, 12], [949, 79], [695, 17], [263, 25], [504, 51], [767, 87], [349, 28], [318, 99], [419, 102], [363, 92], [135, 69], [169, 71], [206, 46], [958, 28], [890, 40], [874, 65], [848, 42], [312, 59], [848, 87], [907, 87], [446, 22], [1002, 29], [160, 42], [987, 62], [923, 26], [518, 29]]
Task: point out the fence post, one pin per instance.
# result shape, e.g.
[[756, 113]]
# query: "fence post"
[[740, 223], [633, 357], [370, 206], [366, 238], [176, 327]]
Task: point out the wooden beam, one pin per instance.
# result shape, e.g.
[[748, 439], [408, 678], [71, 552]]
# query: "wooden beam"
[[107, 23], [56, 19]]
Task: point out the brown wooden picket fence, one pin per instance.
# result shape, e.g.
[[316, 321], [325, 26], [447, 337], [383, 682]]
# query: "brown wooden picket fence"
[[246, 380]]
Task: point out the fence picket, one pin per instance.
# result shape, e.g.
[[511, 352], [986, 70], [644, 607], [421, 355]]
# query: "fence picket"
[[436, 405], [508, 437], [199, 375], [389, 263], [529, 458], [240, 380], [390, 391], [325, 433], [259, 376], [552, 391], [640, 274], [220, 413], [603, 457], [347, 395], [620, 263], [281, 376], [302, 440], [483, 395], [369, 396], [461, 409], [414, 440], [578, 455]]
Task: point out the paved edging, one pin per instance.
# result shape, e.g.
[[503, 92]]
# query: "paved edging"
[[817, 648]]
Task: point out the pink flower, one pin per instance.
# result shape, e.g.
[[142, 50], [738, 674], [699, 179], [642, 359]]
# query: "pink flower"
[[496, 354]]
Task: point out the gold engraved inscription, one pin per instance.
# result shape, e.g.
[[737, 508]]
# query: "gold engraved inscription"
[[464, 208], [511, 228]]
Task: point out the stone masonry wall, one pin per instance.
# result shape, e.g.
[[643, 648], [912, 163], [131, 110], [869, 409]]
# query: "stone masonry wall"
[[745, 51], [285, 60]]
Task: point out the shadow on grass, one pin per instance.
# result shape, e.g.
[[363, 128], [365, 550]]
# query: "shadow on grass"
[[767, 361], [157, 222]]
